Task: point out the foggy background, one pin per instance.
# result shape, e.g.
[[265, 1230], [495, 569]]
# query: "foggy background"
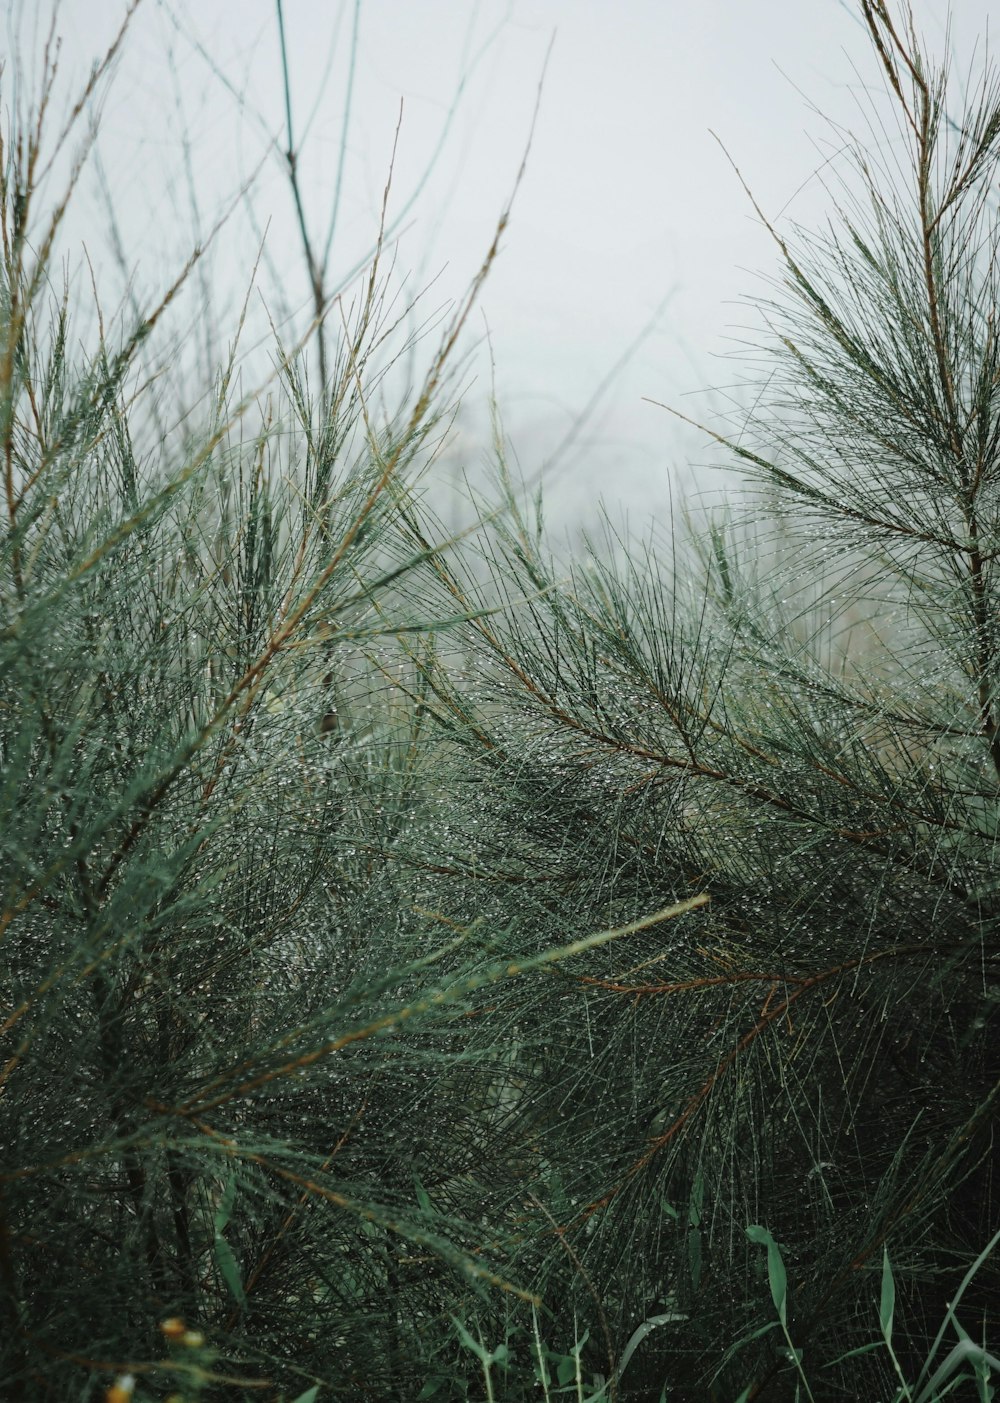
[[630, 236]]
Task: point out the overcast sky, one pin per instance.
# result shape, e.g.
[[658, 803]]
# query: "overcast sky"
[[629, 210]]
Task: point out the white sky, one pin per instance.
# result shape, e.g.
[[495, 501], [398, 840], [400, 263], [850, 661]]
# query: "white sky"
[[628, 204]]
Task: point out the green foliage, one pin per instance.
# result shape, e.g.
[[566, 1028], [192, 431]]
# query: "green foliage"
[[966, 1362], [421, 960]]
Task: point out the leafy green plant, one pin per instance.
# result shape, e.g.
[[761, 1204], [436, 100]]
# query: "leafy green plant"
[[966, 1361]]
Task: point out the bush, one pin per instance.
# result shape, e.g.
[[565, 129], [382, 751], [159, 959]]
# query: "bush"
[[425, 960], [797, 715]]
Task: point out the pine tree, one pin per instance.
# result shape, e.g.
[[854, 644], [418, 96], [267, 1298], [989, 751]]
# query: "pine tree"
[[429, 967], [227, 1031], [796, 713]]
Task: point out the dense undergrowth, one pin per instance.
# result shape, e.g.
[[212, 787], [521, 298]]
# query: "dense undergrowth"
[[423, 961]]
